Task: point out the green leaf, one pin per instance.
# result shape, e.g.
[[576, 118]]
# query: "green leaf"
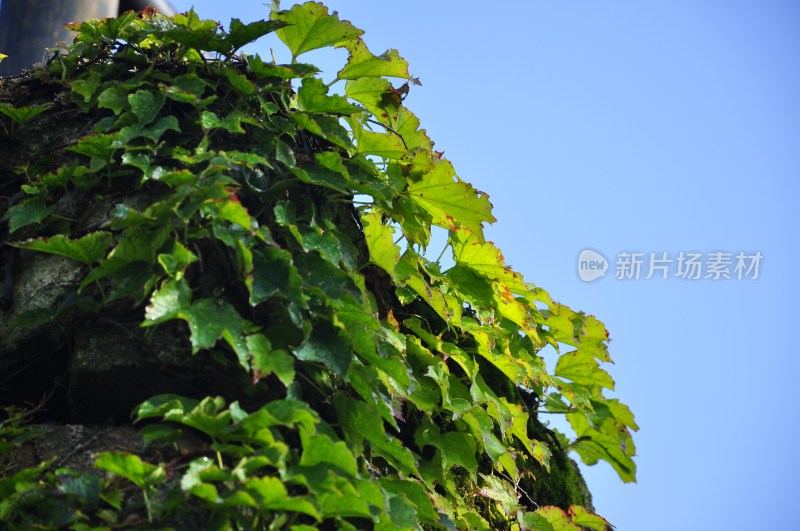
[[312, 96], [86, 86], [114, 98], [99, 147], [171, 298], [327, 127], [416, 493], [388, 145], [265, 361], [581, 367], [22, 115], [327, 346], [209, 319], [164, 405], [309, 26], [240, 34], [88, 249], [321, 449], [362, 63], [457, 448], [28, 212], [270, 494], [610, 441], [362, 421], [85, 487], [132, 468], [450, 201], [273, 273], [239, 82], [146, 105], [232, 123], [264, 70], [176, 261]]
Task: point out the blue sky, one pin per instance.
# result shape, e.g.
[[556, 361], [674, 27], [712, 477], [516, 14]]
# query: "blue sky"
[[640, 127]]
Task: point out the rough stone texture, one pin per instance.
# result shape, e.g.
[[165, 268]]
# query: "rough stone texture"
[[119, 363]]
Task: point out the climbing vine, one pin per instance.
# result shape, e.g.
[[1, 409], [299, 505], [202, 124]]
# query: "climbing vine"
[[285, 225]]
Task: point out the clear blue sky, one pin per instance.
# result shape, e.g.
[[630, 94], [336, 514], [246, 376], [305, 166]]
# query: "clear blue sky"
[[636, 126], [632, 126]]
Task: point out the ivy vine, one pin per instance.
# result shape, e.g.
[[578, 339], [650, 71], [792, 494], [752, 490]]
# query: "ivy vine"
[[285, 225]]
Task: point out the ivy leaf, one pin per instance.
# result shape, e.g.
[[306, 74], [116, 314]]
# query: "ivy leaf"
[[547, 518], [172, 297], [31, 211], [327, 346], [484, 258], [264, 70], [270, 494], [132, 468], [164, 405], [363, 421], [500, 491], [312, 96], [265, 361], [450, 201], [327, 127], [584, 518], [273, 272], [114, 98], [231, 123], [387, 145], [176, 261], [88, 249], [380, 241], [309, 26], [609, 441], [416, 493], [209, 319], [239, 82], [146, 105], [240, 34], [457, 448], [581, 367], [321, 449], [362, 63], [22, 115]]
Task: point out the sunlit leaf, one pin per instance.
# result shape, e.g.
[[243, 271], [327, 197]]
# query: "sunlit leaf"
[[310, 26], [450, 201], [362, 63]]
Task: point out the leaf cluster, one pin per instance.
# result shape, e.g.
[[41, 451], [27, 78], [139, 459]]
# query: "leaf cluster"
[[286, 225]]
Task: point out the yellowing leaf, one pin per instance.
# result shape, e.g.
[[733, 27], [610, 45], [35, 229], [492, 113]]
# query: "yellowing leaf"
[[485, 259], [362, 63], [581, 367], [380, 241], [584, 518], [450, 201]]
